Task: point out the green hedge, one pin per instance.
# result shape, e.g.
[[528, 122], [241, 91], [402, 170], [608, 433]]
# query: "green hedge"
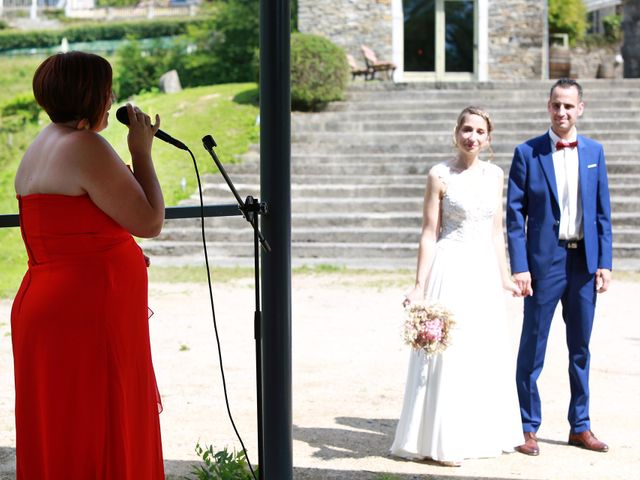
[[19, 111], [319, 72], [91, 32]]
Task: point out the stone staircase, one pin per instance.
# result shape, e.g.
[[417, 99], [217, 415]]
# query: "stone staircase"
[[359, 170]]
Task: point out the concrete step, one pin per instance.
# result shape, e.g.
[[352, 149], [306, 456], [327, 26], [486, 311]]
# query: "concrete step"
[[315, 157], [314, 220], [363, 220], [342, 234], [393, 167], [602, 86], [590, 128], [354, 261], [310, 204], [629, 180], [476, 97], [329, 179], [610, 138], [373, 251], [390, 103], [417, 144], [626, 235], [300, 249], [413, 188], [500, 117]]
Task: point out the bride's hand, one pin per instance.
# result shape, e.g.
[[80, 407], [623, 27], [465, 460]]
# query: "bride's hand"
[[510, 286], [414, 295]]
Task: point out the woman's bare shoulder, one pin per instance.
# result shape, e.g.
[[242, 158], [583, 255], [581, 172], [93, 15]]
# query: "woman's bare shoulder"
[[85, 150]]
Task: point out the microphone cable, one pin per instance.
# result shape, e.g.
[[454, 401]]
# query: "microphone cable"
[[213, 314]]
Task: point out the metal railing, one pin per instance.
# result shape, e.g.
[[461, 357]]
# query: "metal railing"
[[171, 213]]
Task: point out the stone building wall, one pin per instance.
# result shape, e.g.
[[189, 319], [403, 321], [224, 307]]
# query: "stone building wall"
[[517, 39], [350, 23]]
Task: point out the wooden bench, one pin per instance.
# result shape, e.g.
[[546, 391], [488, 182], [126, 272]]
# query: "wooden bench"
[[374, 65], [357, 70]]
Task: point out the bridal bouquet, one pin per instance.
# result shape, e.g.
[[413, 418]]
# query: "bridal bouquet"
[[428, 327]]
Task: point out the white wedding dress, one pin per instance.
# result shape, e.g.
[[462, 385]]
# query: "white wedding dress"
[[463, 402]]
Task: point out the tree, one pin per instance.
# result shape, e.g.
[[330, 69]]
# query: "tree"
[[226, 48], [568, 16]]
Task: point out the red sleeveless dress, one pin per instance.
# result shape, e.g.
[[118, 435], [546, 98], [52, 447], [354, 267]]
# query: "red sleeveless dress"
[[87, 405]]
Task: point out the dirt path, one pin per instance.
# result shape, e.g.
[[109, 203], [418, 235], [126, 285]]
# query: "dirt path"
[[349, 368]]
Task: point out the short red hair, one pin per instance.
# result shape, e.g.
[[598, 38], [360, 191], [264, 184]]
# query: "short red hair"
[[73, 86]]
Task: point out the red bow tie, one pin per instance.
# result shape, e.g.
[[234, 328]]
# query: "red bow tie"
[[562, 144]]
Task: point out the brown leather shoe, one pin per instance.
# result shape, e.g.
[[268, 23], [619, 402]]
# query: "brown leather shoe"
[[530, 445], [587, 440]]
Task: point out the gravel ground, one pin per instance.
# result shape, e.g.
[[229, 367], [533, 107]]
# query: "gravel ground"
[[349, 367]]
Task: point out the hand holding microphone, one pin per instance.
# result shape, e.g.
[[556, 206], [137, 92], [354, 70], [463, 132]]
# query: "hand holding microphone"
[[124, 114], [141, 131]]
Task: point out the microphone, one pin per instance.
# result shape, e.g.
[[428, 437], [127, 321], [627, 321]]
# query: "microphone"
[[123, 117]]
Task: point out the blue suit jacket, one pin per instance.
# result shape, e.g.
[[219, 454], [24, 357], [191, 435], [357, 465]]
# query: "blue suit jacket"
[[533, 212]]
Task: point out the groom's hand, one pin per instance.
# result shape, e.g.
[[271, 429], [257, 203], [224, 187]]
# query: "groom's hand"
[[603, 279], [523, 281]]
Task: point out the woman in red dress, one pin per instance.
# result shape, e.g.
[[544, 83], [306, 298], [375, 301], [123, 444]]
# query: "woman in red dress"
[[87, 405]]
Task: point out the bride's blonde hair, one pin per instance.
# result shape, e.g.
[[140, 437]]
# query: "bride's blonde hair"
[[471, 110]]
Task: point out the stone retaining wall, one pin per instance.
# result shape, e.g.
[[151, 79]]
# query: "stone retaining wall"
[[596, 62]]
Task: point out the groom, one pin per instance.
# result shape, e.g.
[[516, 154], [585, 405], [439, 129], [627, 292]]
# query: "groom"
[[559, 235]]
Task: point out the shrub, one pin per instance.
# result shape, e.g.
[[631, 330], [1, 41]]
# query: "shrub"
[[116, 3], [319, 71], [198, 69], [19, 111], [612, 25], [225, 46], [138, 71], [89, 32], [294, 15], [221, 465], [568, 16]]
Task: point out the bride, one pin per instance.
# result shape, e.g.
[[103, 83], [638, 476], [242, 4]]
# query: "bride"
[[462, 403]]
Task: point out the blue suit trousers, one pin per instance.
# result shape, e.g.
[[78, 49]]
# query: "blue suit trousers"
[[569, 282]]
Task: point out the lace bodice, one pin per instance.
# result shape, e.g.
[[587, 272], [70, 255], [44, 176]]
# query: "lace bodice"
[[469, 202]]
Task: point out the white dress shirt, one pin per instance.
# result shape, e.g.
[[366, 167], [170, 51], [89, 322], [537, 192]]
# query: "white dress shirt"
[[565, 164]]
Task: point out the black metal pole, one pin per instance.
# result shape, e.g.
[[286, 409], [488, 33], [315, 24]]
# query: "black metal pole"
[[275, 190], [257, 324]]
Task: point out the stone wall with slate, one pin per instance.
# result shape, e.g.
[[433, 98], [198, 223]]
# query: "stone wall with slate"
[[596, 62], [350, 23], [516, 31], [516, 39]]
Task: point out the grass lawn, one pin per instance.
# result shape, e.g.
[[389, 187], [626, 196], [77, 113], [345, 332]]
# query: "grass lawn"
[[17, 73]]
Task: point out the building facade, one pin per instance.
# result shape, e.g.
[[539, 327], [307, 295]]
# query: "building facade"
[[439, 40]]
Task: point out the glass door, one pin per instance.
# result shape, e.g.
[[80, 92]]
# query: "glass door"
[[440, 39], [419, 35]]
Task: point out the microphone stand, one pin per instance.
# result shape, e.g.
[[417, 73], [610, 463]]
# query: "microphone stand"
[[250, 209]]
